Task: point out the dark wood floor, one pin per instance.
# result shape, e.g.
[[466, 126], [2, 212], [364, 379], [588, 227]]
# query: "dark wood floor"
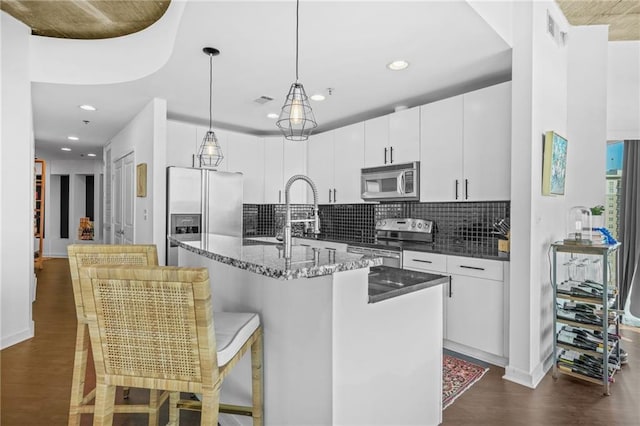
[[36, 378]]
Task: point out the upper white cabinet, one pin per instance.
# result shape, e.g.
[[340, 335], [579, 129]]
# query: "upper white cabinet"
[[283, 159], [393, 138], [441, 156], [245, 154], [487, 143], [349, 159], [295, 163], [320, 165], [334, 162], [466, 146]]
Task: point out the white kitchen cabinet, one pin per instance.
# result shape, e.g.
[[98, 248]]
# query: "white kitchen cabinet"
[[475, 304], [487, 143], [441, 156], [295, 163], [393, 138], [245, 154], [223, 138], [320, 165], [475, 317], [273, 171], [283, 159], [349, 160], [465, 146], [334, 162]]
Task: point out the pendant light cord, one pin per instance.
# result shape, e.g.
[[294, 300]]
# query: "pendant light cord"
[[210, 87], [297, 18]]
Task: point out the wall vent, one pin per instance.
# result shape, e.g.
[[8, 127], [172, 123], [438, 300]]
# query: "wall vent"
[[263, 100]]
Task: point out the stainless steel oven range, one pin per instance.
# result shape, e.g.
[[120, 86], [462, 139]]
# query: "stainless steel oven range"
[[392, 235]]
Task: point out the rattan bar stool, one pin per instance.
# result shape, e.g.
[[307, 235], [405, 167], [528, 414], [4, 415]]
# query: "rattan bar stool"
[[100, 254], [153, 327]]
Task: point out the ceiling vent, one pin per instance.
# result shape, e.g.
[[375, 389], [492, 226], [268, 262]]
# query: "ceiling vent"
[[263, 100]]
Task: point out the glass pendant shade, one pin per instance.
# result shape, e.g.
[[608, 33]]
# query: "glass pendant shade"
[[296, 120], [210, 153]]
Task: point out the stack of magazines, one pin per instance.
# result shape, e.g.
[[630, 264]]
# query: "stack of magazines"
[[586, 365]]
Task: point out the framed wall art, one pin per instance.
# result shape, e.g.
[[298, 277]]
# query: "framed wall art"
[[554, 164], [141, 180]]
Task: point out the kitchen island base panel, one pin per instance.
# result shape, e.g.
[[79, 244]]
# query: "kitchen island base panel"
[[330, 357]]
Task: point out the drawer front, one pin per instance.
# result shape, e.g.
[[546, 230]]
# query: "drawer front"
[[473, 267], [421, 260]]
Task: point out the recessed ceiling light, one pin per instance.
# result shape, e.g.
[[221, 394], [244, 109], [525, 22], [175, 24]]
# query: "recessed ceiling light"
[[317, 97], [88, 107], [272, 115], [66, 149], [73, 138], [91, 155], [398, 65]]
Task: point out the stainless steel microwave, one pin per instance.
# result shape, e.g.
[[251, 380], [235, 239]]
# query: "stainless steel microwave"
[[394, 182]]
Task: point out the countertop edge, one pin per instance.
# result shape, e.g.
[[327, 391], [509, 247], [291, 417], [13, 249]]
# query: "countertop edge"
[[282, 274]]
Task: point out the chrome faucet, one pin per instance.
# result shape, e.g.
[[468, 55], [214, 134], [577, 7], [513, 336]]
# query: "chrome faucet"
[[288, 221]]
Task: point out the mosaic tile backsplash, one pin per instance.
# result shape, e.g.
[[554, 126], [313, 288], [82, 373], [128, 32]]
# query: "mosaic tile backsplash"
[[459, 226]]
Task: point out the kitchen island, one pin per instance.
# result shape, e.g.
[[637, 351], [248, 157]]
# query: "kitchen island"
[[330, 356]]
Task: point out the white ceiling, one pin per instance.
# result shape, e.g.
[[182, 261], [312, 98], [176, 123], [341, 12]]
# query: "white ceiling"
[[344, 45]]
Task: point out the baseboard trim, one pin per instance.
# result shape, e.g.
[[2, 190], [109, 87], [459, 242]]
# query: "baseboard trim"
[[17, 337], [475, 353], [521, 377]]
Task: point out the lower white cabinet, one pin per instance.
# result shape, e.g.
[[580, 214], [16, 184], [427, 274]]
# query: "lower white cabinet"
[[475, 320]]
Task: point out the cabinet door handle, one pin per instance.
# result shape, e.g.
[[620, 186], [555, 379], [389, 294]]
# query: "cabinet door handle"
[[329, 194], [335, 198], [450, 288], [385, 156], [423, 261], [457, 183], [472, 267], [279, 196], [391, 155], [466, 189]]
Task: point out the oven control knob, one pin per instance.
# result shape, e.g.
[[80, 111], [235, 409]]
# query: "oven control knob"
[[419, 225], [413, 223], [384, 222]]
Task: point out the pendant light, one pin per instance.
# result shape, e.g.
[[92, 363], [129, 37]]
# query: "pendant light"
[[296, 119], [210, 153]]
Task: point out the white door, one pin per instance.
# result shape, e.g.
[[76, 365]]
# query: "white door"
[[123, 200], [295, 163]]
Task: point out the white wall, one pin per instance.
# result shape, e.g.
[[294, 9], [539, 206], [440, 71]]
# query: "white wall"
[[16, 184], [623, 89], [145, 135]]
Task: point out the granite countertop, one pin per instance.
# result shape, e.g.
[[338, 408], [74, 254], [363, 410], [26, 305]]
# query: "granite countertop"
[[386, 282], [266, 257]]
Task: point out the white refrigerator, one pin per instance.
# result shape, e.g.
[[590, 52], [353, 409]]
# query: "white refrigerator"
[[202, 201]]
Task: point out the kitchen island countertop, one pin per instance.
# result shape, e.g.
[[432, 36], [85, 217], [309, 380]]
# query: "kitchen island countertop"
[[266, 258]]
